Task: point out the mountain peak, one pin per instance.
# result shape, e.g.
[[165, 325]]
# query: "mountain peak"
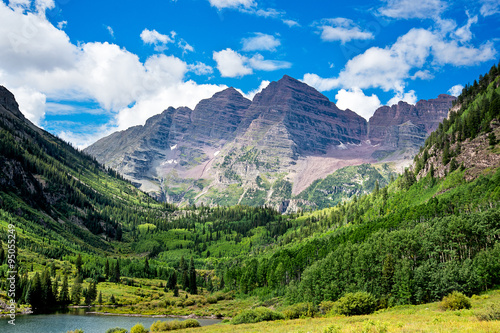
[[288, 78], [229, 93], [290, 81], [288, 88]]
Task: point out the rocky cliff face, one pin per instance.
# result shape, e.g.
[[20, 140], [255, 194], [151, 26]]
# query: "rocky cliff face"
[[8, 103], [402, 128], [428, 113], [216, 120], [230, 150], [312, 121]]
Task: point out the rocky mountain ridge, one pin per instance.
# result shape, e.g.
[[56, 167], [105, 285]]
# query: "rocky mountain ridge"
[[231, 150]]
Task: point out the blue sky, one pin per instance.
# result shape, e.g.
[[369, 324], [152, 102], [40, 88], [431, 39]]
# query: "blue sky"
[[83, 69]]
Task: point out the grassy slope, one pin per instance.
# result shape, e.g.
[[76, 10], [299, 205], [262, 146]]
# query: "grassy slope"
[[408, 318]]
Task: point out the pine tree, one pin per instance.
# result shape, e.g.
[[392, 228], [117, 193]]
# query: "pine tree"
[[117, 274], [106, 269], [55, 290], [446, 153], [91, 293], [388, 274], [64, 298], [76, 292], [119, 233], [172, 281], [2, 254], [182, 265], [192, 278], [146, 267], [35, 293], [185, 280], [492, 139], [78, 264], [453, 165], [48, 299]]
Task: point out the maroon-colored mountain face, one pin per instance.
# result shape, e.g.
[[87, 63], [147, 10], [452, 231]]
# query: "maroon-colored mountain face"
[[426, 113], [312, 121], [264, 150], [218, 118]]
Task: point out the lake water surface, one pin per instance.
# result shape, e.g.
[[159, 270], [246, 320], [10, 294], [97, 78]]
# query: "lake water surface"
[[63, 322]]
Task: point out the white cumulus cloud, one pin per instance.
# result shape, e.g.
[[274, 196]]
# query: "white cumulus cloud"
[[409, 97], [291, 23], [463, 34], [200, 68], [231, 64], [260, 42], [259, 63], [62, 24], [409, 9], [343, 30], [389, 68], [157, 39], [456, 90], [489, 7], [355, 100], [220, 4], [39, 63], [32, 103]]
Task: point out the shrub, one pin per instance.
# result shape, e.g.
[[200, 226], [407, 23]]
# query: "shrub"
[[371, 326], [256, 315], [212, 299], [300, 310], [158, 326], [189, 302], [490, 313], [174, 325], [117, 330], [219, 295], [162, 326], [138, 328], [352, 304], [75, 331], [191, 323], [455, 301], [326, 306], [333, 329]]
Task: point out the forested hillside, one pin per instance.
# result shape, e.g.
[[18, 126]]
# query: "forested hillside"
[[409, 242], [57, 194]]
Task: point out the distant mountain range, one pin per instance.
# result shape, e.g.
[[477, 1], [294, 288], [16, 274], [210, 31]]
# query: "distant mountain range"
[[231, 150]]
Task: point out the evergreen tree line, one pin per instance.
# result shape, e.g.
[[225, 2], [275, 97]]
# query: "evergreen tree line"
[[46, 292]]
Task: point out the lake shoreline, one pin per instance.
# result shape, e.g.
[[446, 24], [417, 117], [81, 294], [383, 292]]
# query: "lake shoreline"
[[191, 316], [97, 313]]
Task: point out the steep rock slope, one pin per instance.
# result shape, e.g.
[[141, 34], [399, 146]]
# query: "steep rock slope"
[[404, 127]]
